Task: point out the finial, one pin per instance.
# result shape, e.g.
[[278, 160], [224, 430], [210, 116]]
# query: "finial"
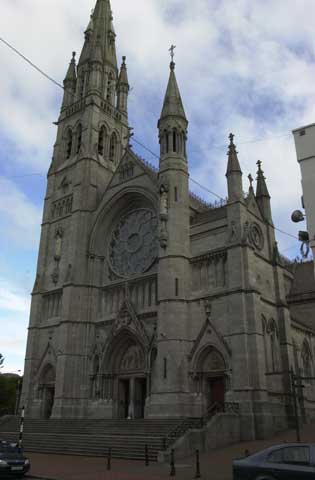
[[251, 181], [124, 60], [129, 136], [73, 56], [259, 164], [231, 137]]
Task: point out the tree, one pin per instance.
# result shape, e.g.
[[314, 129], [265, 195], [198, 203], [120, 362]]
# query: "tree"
[[9, 389]]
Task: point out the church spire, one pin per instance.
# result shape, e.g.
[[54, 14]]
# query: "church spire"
[[234, 173], [262, 194], [173, 122], [97, 67], [173, 105]]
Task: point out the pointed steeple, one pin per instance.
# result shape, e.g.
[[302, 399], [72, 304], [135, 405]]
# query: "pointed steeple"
[[70, 83], [262, 195], [173, 122], [104, 31], [123, 88], [234, 173], [173, 105], [261, 189]]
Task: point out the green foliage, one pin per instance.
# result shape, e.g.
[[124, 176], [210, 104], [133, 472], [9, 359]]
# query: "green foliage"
[[8, 392]]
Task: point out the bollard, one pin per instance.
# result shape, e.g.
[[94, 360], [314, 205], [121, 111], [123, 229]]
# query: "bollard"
[[197, 465], [109, 458], [146, 455], [173, 469]]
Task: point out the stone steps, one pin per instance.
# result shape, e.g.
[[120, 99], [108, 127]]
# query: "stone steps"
[[126, 438]]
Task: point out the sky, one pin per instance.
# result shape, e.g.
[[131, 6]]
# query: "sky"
[[243, 66]]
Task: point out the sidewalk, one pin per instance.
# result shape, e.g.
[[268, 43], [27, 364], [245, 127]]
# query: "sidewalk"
[[216, 465]]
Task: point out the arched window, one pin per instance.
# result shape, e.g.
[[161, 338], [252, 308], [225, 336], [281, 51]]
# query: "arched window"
[[79, 137], [167, 141], [274, 345], [69, 144], [101, 141], [264, 329], [174, 141], [307, 361], [110, 86], [113, 148]]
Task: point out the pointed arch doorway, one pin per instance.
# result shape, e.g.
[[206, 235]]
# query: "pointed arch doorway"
[[212, 377], [47, 388], [129, 377]]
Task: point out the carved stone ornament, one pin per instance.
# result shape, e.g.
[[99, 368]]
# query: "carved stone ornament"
[[58, 242], [256, 236], [55, 274], [133, 246], [233, 231], [246, 232]]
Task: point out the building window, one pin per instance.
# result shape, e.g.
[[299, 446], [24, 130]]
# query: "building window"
[[307, 361], [167, 141], [69, 144], [176, 287], [165, 368], [174, 141], [79, 138], [113, 148], [101, 141], [175, 194]]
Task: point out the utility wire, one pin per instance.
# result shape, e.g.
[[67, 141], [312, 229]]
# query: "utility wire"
[[48, 77], [31, 63], [191, 179]]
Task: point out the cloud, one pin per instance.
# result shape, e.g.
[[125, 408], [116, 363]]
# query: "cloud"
[[13, 299], [19, 218]]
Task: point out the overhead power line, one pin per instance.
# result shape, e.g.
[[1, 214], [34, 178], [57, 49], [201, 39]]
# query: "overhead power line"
[[55, 82], [31, 63]]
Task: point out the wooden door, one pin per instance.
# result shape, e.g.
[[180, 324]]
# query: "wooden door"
[[216, 391]]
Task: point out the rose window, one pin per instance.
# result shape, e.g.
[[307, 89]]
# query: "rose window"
[[134, 247]]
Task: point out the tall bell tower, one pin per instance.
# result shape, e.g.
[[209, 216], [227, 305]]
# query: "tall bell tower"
[[92, 133]]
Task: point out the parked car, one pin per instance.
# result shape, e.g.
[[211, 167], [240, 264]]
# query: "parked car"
[[289, 461], [12, 462]]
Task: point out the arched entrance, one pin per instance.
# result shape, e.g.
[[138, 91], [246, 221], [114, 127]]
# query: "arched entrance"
[[129, 376], [212, 376], [47, 388]]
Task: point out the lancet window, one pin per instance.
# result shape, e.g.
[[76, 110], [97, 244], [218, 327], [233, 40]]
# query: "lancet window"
[[69, 141], [101, 141], [113, 148], [79, 137]]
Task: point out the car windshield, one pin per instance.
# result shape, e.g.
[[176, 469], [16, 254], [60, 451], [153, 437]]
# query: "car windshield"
[[7, 448]]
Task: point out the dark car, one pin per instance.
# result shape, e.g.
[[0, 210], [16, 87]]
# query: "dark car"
[[289, 461], [12, 462]]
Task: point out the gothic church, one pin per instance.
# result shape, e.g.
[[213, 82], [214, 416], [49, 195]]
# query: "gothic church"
[[147, 301]]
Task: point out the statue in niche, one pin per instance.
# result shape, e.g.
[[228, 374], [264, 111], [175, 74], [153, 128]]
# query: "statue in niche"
[[234, 231], [164, 206], [58, 242], [163, 201]]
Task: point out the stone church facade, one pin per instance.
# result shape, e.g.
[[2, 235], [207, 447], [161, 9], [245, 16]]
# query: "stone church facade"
[[148, 302]]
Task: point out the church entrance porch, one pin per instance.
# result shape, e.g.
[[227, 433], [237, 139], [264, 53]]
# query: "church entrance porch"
[[131, 397]]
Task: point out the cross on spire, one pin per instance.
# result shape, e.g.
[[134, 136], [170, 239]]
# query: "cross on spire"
[[172, 53]]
